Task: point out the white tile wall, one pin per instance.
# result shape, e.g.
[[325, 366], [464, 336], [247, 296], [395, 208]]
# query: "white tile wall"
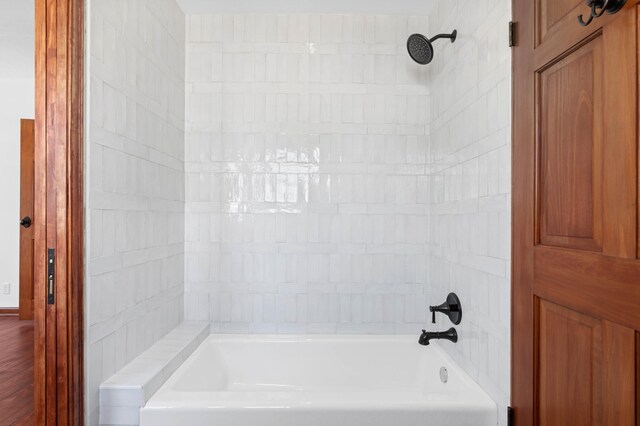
[[307, 153], [470, 184], [332, 185], [135, 281]]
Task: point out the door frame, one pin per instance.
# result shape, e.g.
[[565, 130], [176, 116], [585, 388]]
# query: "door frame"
[[522, 219], [59, 217]]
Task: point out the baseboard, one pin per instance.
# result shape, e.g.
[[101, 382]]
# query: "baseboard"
[[8, 312]]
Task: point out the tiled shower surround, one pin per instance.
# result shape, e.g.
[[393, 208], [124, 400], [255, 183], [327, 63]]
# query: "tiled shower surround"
[[306, 161], [315, 178], [470, 185], [135, 151]]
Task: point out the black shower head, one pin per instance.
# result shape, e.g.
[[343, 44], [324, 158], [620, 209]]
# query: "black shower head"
[[421, 48]]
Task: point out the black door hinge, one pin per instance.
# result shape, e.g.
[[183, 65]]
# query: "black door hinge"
[[512, 35], [510, 420], [51, 276]]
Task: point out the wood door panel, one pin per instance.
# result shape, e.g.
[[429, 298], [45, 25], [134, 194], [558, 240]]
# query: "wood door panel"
[[586, 369], [552, 16], [571, 34], [568, 378], [570, 139], [618, 375]]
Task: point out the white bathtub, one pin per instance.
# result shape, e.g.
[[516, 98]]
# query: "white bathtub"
[[318, 381]]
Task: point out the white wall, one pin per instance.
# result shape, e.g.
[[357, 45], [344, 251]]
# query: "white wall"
[[306, 174], [470, 184], [135, 186], [16, 101]]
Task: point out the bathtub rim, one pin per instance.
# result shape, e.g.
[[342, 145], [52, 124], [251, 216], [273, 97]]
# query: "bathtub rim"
[[479, 398]]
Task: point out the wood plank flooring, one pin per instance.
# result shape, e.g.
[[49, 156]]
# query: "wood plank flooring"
[[16, 371]]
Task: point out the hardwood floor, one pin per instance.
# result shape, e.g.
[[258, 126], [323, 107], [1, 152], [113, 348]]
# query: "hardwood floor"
[[16, 371]]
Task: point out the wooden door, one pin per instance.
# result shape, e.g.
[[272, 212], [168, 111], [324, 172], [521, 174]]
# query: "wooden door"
[[27, 176], [576, 273]]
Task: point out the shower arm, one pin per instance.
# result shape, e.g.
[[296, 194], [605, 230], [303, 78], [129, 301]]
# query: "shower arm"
[[451, 36]]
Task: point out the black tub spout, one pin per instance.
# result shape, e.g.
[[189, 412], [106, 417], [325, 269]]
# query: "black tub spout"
[[426, 336]]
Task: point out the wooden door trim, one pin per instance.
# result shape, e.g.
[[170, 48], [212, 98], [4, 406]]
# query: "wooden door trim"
[[522, 227], [58, 368], [75, 232]]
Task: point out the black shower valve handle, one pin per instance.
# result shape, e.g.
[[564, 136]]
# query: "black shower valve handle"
[[442, 308], [451, 308]]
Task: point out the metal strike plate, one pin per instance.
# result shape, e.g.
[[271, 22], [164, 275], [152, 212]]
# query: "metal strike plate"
[[51, 276]]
